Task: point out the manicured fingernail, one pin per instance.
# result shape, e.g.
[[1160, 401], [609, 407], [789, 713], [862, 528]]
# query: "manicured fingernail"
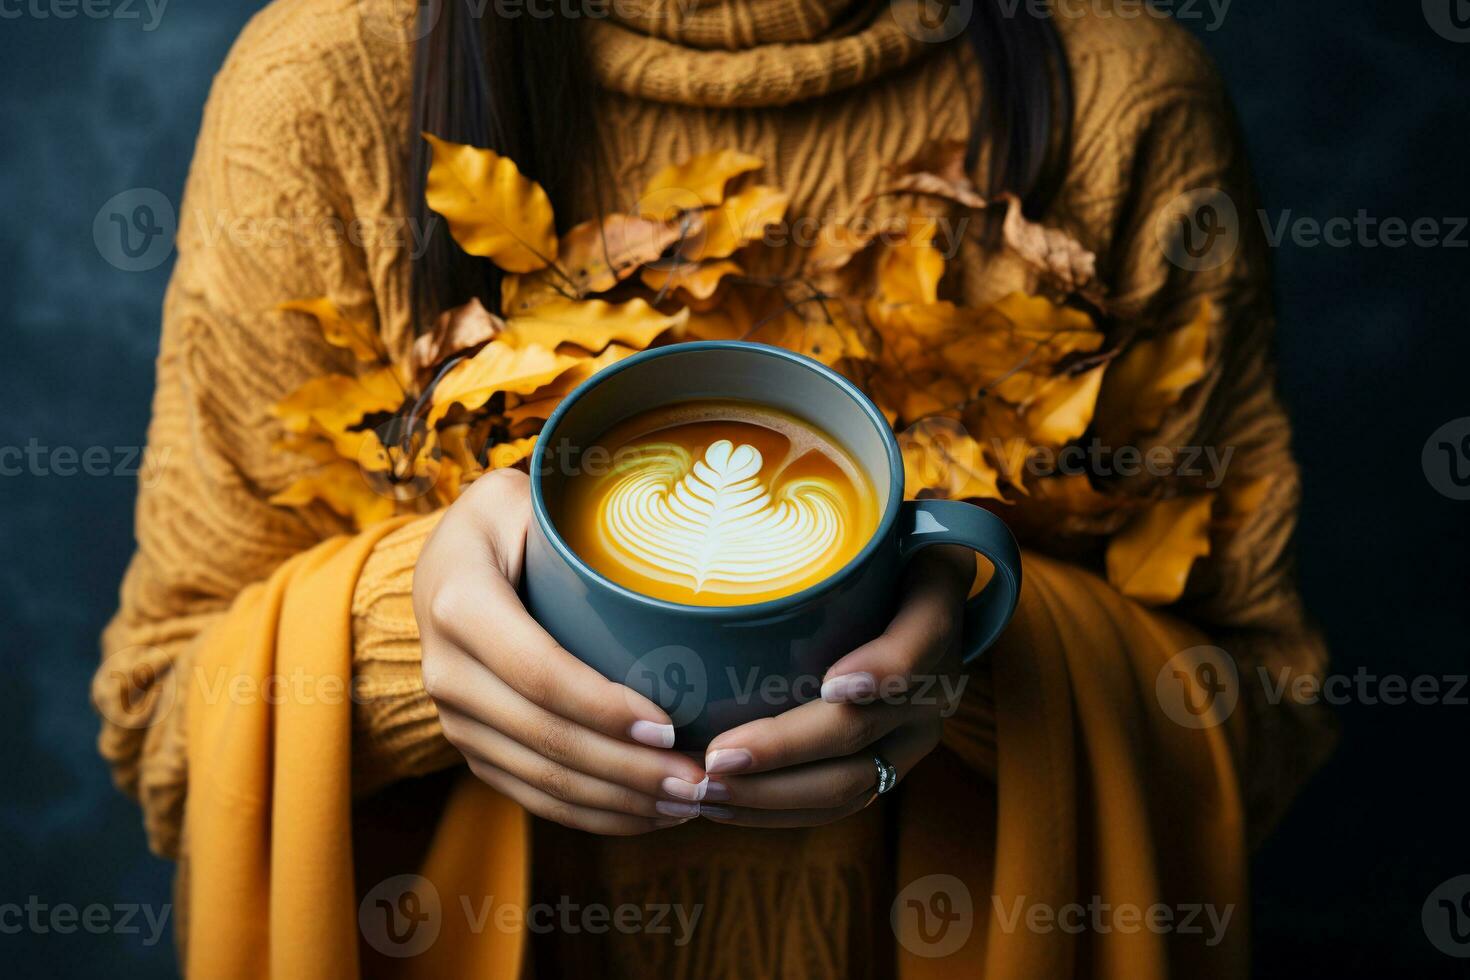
[[683, 789], [849, 687], [671, 822], [716, 791], [727, 760], [650, 733], [716, 812], [669, 808]]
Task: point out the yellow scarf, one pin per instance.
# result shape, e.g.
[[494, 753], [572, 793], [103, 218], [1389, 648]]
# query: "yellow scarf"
[[1097, 793]]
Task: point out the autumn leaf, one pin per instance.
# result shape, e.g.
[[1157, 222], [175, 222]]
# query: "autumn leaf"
[[594, 257], [1149, 560], [937, 170], [941, 459], [511, 453], [342, 487], [1056, 254], [332, 405], [827, 338], [697, 281], [498, 366], [454, 332], [739, 220], [492, 210], [540, 403], [910, 270], [590, 324], [694, 183], [1151, 377], [1063, 409], [339, 331]]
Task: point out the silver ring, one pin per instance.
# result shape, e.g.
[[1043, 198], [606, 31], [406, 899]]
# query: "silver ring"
[[887, 774]]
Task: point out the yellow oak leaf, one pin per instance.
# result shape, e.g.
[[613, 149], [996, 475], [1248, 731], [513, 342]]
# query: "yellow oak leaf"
[[739, 220], [1151, 377], [454, 332], [540, 403], [342, 487], [339, 331], [941, 459], [590, 324], [332, 405], [909, 271], [593, 257], [694, 183], [498, 366], [492, 210], [510, 453], [1063, 408], [696, 281], [827, 338], [1149, 560]]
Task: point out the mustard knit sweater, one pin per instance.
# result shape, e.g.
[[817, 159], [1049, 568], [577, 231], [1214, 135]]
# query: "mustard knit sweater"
[[297, 190]]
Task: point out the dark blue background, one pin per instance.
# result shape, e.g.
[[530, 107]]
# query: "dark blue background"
[[1347, 106]]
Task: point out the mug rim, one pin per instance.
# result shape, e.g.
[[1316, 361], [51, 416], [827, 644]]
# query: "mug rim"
[[855, 564]]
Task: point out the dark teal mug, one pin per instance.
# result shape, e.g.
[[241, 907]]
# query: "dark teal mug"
[[714, 667]]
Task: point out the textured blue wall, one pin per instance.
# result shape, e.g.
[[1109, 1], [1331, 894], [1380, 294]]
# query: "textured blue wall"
[[1350, 105]]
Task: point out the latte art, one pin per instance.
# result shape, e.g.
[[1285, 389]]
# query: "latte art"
[[715, 523], [715, 503]]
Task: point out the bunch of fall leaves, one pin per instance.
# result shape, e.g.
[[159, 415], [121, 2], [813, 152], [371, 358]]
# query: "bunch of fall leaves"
[[977, 395]]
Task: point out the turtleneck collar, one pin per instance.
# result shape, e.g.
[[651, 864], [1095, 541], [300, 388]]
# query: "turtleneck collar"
[[747, 53]]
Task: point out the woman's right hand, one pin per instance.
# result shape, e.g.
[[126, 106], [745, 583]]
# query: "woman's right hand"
[[533, 721]]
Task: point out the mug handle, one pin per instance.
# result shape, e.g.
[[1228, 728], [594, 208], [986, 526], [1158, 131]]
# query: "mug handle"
[[930, 522]]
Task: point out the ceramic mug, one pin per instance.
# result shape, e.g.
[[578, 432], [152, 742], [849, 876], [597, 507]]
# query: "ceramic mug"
[[714, 667]]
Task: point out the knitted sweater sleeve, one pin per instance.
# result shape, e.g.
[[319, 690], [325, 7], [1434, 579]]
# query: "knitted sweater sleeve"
[[266, 217], [1148, 158]]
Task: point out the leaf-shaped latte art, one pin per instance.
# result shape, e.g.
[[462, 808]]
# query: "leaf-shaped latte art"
[[714, 525]]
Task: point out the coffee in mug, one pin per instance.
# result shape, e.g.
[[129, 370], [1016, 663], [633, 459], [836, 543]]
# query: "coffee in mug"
[[717, 503]]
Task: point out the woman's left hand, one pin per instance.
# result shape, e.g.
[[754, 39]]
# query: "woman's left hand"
[[815, 763]]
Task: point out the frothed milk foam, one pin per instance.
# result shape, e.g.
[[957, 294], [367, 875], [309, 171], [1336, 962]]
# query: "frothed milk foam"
[[717, 503]]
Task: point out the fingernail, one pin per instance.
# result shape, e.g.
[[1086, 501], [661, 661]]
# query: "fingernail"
[[651, 733], [684, 789], [669, 808], [727, 760], [671, 822], [716, 791], [849, 687], [716, 812]]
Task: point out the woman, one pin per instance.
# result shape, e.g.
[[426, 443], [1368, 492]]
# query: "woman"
[[1059, 777]]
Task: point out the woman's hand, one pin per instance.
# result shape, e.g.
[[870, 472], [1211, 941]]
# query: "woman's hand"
[[533, 721], [815, 763]]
